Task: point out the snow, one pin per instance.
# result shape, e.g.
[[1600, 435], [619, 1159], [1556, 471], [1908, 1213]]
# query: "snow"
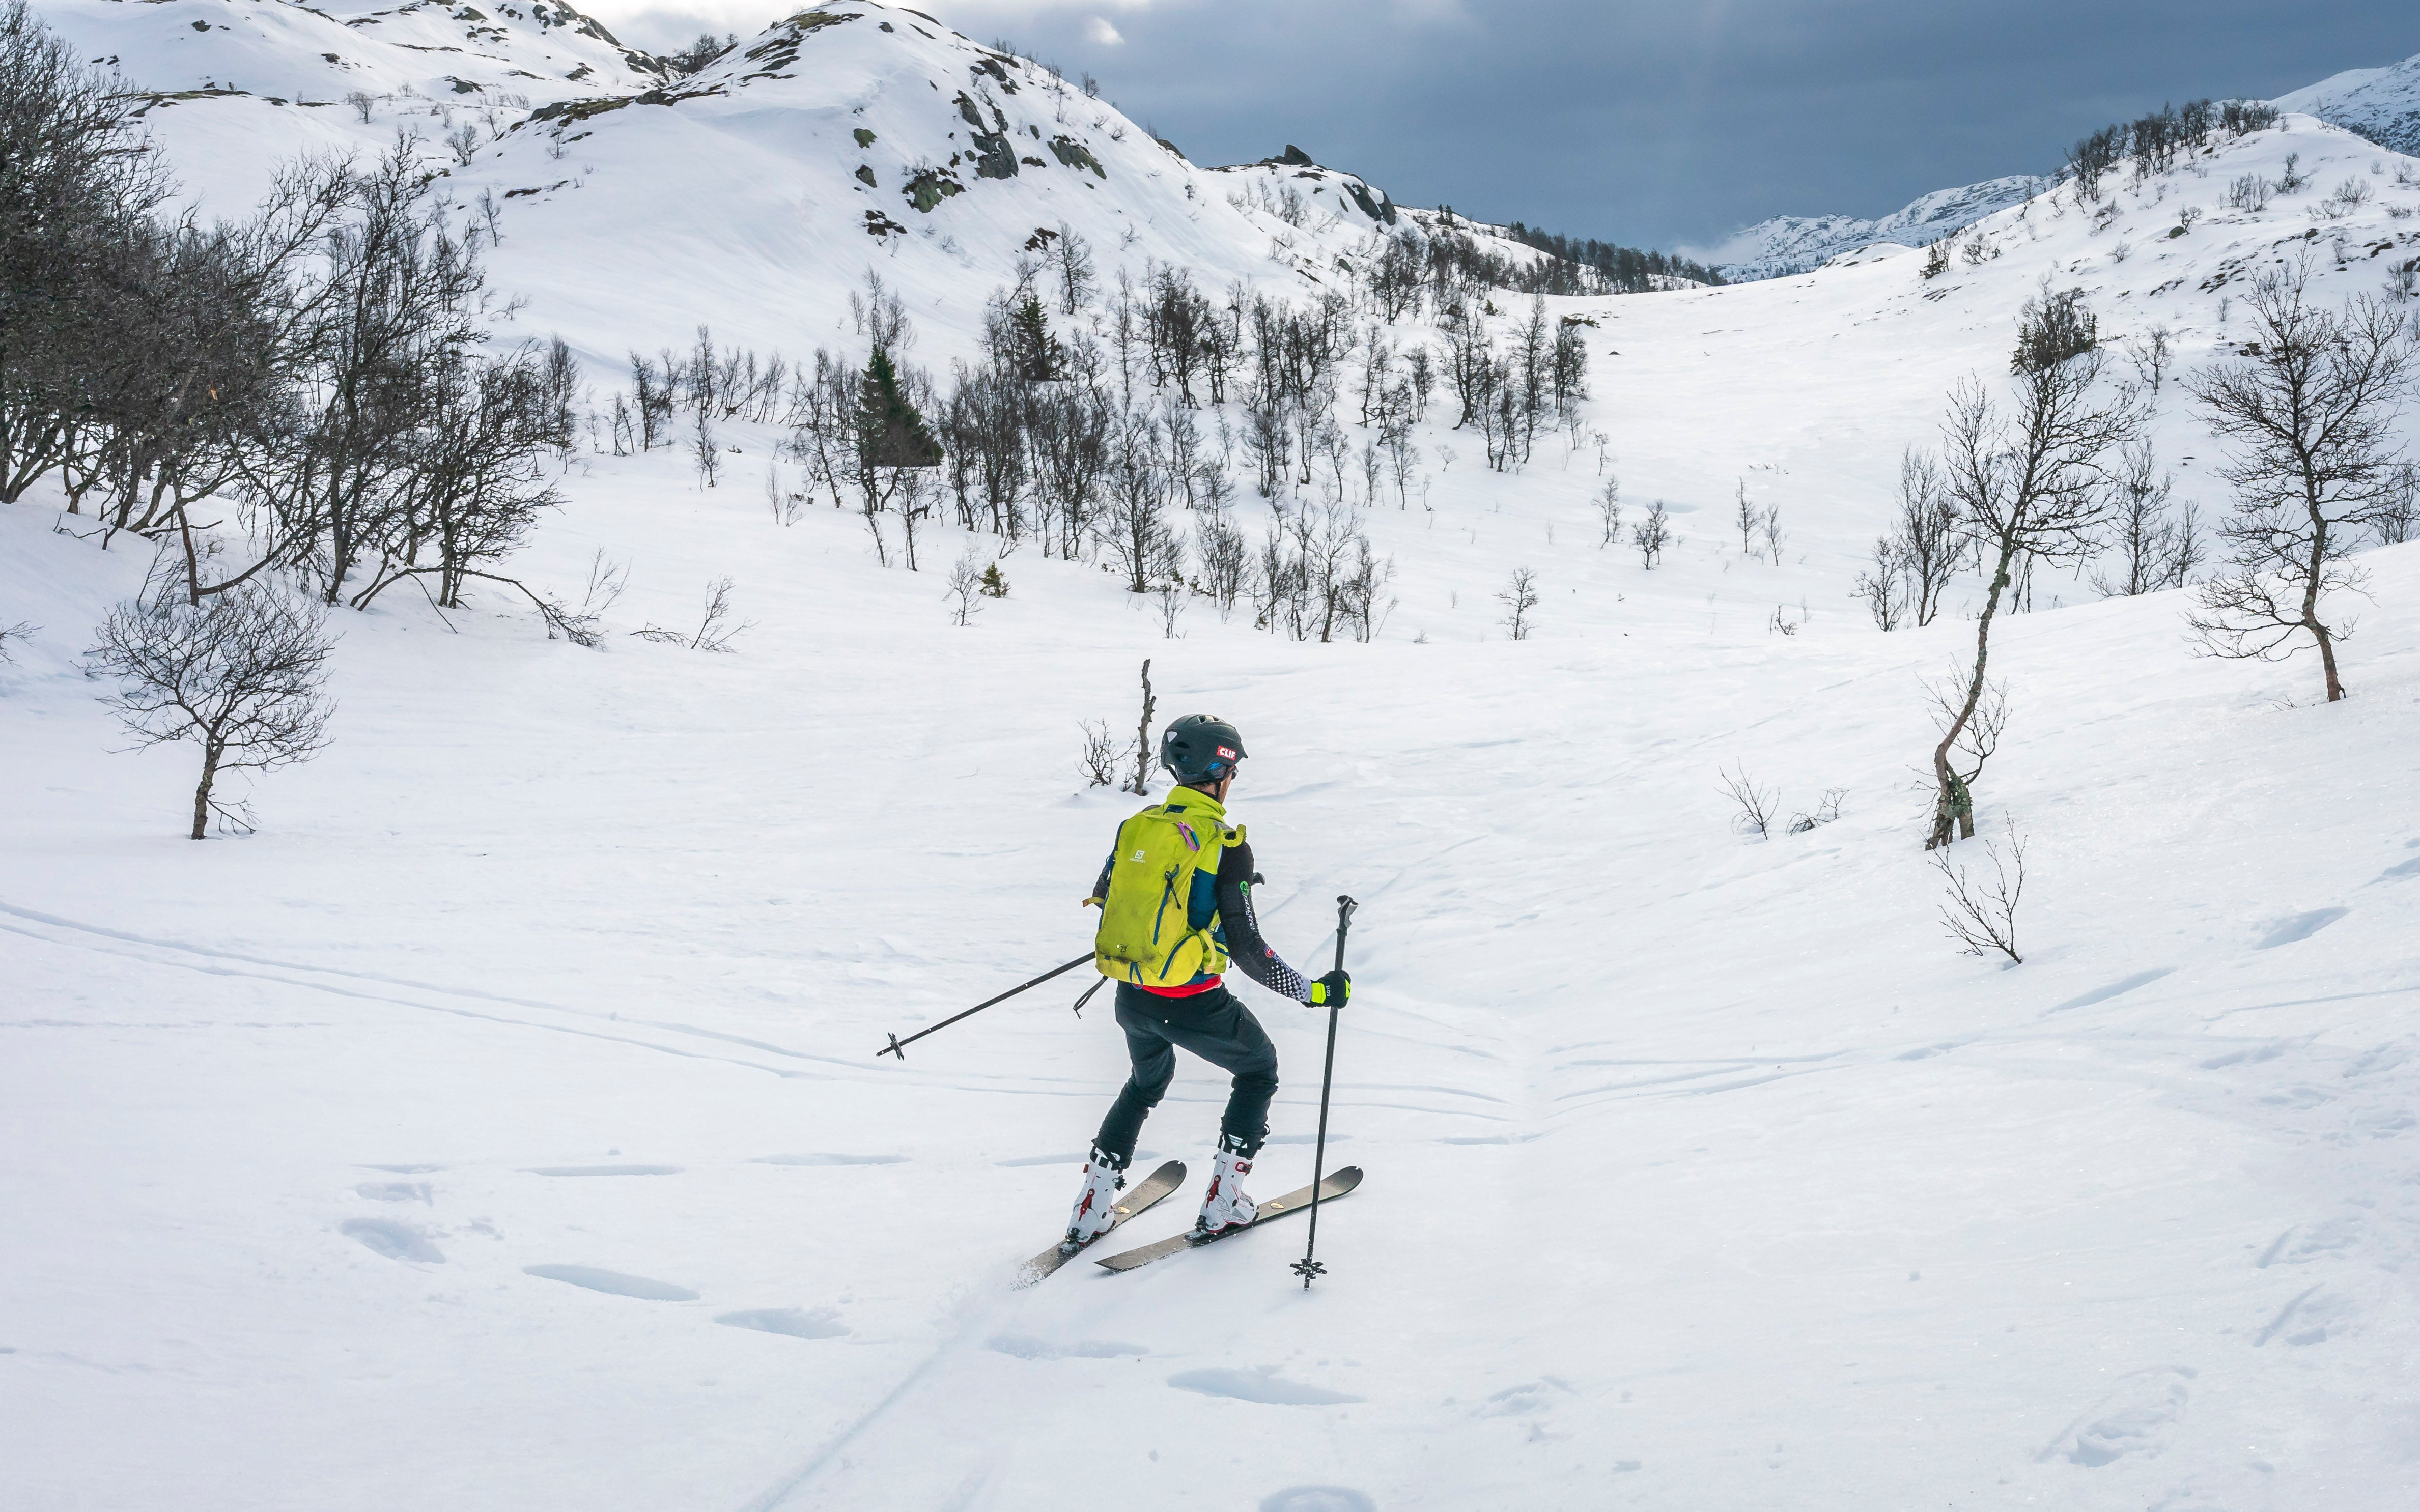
[[242, 85], [2383, 104], [1786, 244], [500, 1126]]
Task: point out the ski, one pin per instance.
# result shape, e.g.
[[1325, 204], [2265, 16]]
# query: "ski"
[[1158, 1185], [1336, 1186]]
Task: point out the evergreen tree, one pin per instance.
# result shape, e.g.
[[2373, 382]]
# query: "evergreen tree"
[[890, 431], [1036, 350]]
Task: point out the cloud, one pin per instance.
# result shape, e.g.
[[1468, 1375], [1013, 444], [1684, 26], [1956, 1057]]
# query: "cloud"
[[1099, 30]]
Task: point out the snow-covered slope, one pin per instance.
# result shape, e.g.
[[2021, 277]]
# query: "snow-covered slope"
[[2383, 104], [1794, 243], [755, 194], [240, 85], [863, 137], [498, 1128]]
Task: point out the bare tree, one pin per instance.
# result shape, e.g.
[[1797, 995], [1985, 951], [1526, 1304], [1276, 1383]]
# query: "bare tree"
[[1142, 787], [1826, 809], [1927, 538], [1652, 535], [1757, 806], [1608, 512], [2028, 488], [1520, 599], [584, 625], [1135, 526], [783, 504], [1224, 557], [716, 628], [704, 453], [1982, 916], [1071, 258], [242, 674], [2396, 519], [966, 585], [1100, 758], [1768, 525], [2149, 355], [1971, 741], [2154, 548], [1882, 587], [1746, 519], [20, 631], [2311, 415]]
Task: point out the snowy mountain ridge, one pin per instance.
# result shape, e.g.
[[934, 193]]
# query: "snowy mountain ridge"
[[2383, 104], [841, 137], [1789, 244]]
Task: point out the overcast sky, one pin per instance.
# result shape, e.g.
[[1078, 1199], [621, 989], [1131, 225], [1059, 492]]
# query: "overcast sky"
[[1653, 124]]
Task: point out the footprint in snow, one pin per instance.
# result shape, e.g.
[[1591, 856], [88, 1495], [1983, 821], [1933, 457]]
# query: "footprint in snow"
[[1257, 1386], [612, 1283], [396, 1242], [823, 1323], [2314, 1316], [2116, 989], [1318, 1498], [1539, 1395], [2128, 1420], [2300, 927], [604, 1170], [393, 1191], [1034, 1348], [831, 1160]]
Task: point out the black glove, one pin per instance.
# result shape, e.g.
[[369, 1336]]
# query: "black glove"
[[1333, 989]]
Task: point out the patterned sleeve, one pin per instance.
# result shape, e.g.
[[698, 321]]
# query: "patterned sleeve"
[[1241, 926]]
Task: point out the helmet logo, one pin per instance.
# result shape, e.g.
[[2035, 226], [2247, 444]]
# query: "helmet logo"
[[1226, 754]]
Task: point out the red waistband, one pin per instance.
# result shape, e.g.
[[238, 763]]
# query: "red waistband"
[[1193, 989]]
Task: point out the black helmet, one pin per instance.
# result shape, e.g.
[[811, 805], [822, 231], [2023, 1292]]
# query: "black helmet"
[[1201, 748]]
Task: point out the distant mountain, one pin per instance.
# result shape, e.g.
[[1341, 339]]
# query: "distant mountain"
[[630, 201], [2383, 104], [1789, 244]]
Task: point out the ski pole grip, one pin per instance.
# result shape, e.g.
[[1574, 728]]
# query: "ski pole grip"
[[1344, 907]]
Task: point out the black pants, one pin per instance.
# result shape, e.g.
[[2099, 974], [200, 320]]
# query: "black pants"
[[1214, 1026]]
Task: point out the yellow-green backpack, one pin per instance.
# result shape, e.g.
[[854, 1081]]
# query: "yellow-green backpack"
[[1145, 936]]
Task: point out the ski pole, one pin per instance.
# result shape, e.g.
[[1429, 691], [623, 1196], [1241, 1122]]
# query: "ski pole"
[[899, 1048], [1306, 1267]]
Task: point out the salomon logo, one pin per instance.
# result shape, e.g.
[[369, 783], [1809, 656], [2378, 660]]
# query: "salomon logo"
[[1138, 856]]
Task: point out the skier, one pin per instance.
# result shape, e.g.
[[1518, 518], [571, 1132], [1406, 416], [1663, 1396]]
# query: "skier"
[[1182, 856]]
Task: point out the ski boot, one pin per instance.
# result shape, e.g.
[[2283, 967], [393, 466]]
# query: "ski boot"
[[1225, 1205], [1096, 1205]]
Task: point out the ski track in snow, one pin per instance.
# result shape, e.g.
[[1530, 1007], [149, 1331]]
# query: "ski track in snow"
[[1703, 1173]]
